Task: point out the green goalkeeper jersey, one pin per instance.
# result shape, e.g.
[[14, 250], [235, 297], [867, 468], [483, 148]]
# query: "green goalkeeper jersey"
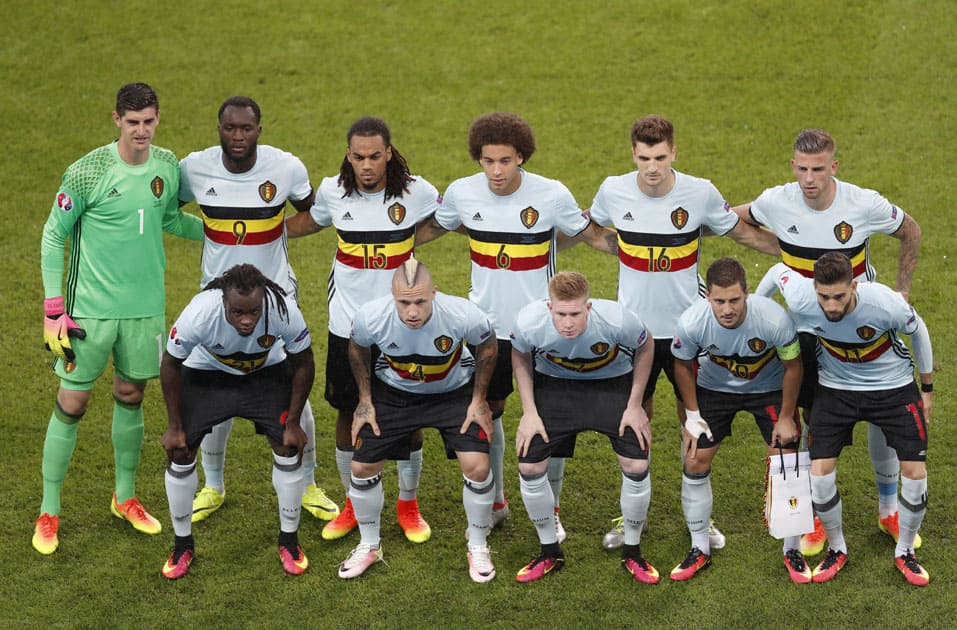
[[114, 216]]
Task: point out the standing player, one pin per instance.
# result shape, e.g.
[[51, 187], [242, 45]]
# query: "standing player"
[[581, 365], [749, 360], [818, 214], [425, 377], [374, 204], [242, 188], [511, 217], [240, 347], [113, 205], [659, 214], [865, 373]]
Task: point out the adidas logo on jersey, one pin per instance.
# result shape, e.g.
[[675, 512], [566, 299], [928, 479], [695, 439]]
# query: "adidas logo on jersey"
[[114, 194], [218, 346], [793, 230], [393, 346], [628, 217], [211, 192], [477, 217], [347, 217]]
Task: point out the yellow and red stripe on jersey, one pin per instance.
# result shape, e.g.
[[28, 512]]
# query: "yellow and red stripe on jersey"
[[422, 368], [243, 226], [802, 259], [858, 352], [747, 368], [658, 252], [386, 249], [242, 361], [510, 250], [582, 364]]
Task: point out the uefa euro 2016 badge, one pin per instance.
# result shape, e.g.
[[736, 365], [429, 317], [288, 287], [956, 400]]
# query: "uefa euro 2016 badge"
[[64, 201]]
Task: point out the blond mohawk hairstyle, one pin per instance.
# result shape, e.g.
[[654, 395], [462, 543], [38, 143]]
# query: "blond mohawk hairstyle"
[[411, 269]]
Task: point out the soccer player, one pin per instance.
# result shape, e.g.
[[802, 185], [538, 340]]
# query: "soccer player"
[[425, 377], [865, 373], [817, 214], [659, 214], [511, 217], [113, 206], [374, 205], [580, 365], [242, 188], [240, 347], [748, 360]]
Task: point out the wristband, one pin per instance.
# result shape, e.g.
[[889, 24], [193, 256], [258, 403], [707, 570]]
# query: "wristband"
[[927, 388]]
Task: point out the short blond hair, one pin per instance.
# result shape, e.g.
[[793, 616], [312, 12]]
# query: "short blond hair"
[[568, 285]]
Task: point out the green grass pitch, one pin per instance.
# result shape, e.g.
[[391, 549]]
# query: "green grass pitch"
[[739, 79]]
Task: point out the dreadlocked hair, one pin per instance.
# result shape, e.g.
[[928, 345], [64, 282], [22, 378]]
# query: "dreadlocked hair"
[[397, 175], [244, 279]]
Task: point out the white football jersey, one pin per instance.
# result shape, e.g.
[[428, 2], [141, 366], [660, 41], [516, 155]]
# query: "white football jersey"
[[243, 212], [742, 360], [805, 234], [374, 235], [432, 359], [863, 351], [659, 242], [206, 341], [605, 349], [510, 239]]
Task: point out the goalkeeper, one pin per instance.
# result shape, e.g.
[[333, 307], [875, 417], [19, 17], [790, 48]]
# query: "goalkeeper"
[[113, 206]]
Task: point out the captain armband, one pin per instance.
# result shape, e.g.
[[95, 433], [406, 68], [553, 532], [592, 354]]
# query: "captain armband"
[[790, 351]]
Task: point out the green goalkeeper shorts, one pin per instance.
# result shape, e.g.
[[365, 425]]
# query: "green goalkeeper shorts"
[[136, 346]]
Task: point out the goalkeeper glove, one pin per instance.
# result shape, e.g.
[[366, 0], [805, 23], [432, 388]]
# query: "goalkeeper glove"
[[58, 328]]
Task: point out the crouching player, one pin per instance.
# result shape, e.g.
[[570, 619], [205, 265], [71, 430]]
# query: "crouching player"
[[425, 377], [865, 373], [749, 360], [239, 348], [581, 365]]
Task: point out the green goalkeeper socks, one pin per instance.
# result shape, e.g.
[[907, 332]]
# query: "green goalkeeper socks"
[[127, 444], [57, 452]]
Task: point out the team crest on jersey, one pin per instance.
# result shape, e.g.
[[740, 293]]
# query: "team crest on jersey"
[[529, 217], [64, 202], [599, 348], [396, 213], [757, 345], [793, 502], [843, 232], [866, 332], [267, 191], [266, 341], [443, 344], [679, 218], [157, 186]]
